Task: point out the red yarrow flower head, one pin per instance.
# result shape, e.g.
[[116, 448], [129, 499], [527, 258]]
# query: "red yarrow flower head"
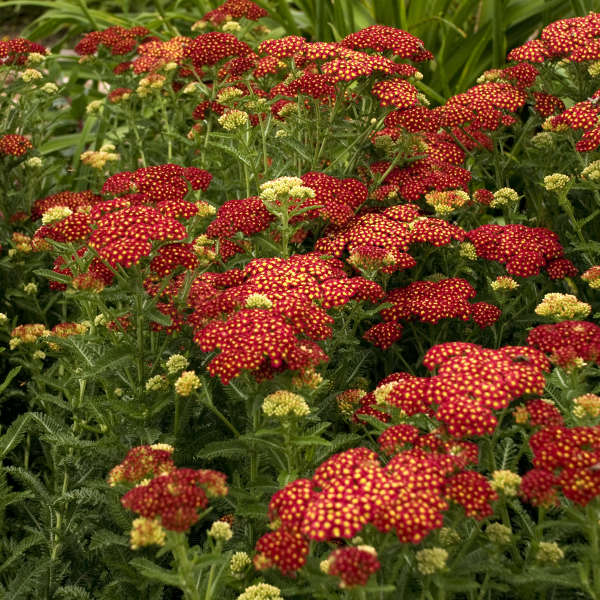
[[143, 462], [15, 51], [353, 565], [175, 497], [473, 492], [12, 144]]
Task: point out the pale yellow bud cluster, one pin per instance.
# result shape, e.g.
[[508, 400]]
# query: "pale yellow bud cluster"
[[506, 482], [592, 171], [239, 562], [35, 58], [154, 81], [233, 119], [261, 591], [285, 186], [445, 202], [176, 363], [94, 106], [498, 534], [98, 158], [147, 532], [49, 88], [229, 93], [205, 209], [549, 552], [285, 404], [29, 75], [594, 69], [203, 249], [503, 197], [382, 392], [100, 320], [468, 251], [562, 307], [56, 213], [258, 301], [422, 98], [504, 283], [325, 565], [163, 446], [39, 354], [544, 139], [35, 162], [220, 531], [587, 405], [30, 288], [191, 88], [309, 379], [556, 182], [3, 318], [448, 536], [188, 382], [431, 560], [291, 108], [281, 133], [231, 26], [199, 25]]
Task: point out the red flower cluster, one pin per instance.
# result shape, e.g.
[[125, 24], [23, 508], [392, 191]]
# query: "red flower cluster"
[[524, 250], [14, 52], [76, 201], [393, 230], [235, 9], [485, 106], [176, 496], [154, 54], [354, 565], [430, 302], [567, 342], [576, 39], [118, 39], [423, 175], [213, 47], [352, 489], [13, 144], [164, 186], [384, 39], [142, 462], [471, 382], [582, 115], [279, 321], [566, 459]]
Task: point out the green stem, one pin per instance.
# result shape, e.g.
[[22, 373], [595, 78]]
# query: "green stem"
[[184, 568], [209, 404]]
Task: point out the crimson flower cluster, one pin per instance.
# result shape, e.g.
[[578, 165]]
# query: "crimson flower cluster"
[[13, 144], [392, 230], [524, 250], [234, 9], [273, 319], [567, 342], [469, 384], [163, 490], [430, 302], [565, 459], [352, 489], [576, 39], [15, 51], [117, 39]]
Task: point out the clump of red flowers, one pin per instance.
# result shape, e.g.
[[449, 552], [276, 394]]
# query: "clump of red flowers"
[[567, 342]]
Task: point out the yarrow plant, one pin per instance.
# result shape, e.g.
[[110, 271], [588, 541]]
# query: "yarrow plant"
[[334, 327]]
